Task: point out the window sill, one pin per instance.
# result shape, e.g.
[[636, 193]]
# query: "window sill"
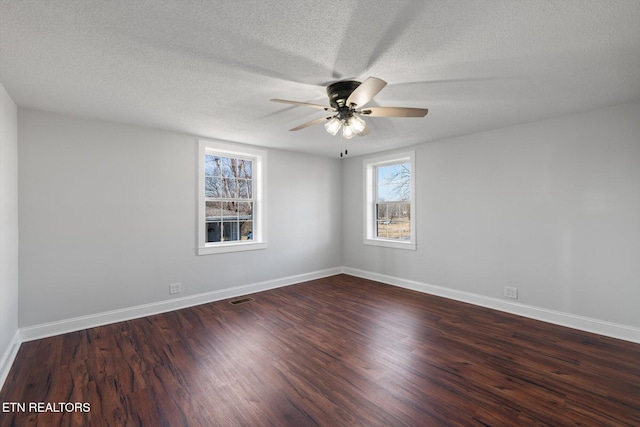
[[390, 244], [231, 247]]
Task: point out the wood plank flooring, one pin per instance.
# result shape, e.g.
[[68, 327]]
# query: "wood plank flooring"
[[340, 351]]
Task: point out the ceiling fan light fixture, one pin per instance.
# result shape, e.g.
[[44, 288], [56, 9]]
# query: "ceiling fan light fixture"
[[348, 131], [357, 123], [333, 125]]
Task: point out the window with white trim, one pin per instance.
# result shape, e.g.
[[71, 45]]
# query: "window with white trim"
[[231, 202], [390, 201]]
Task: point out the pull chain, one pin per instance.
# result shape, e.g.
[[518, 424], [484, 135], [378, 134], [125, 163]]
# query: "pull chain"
[[342, 140]]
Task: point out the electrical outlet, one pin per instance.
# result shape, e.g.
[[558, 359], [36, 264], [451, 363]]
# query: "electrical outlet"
[[511, 292], [175, 288]]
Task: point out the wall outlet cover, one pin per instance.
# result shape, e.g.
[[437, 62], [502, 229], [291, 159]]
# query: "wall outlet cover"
[[511, 292]]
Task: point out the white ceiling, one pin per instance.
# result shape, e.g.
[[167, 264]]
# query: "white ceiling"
[[208, 68]]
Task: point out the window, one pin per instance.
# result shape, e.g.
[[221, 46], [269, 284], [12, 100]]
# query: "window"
[[231, 204], [390, 201]]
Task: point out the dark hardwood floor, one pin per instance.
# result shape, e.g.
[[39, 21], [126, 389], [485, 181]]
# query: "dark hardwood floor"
[[339, 351]]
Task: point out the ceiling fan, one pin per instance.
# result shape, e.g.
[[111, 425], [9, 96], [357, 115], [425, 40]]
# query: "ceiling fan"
[[347, 99]]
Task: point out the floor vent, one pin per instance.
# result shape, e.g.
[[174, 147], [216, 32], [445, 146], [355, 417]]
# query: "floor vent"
[[240, 301]]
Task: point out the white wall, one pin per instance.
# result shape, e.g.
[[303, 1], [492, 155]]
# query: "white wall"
[[8, 230], [552, 208], [108, 218]]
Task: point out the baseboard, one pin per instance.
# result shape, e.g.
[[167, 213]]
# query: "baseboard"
[[44, 330], [84, 322], [613, 330], [8, 357]]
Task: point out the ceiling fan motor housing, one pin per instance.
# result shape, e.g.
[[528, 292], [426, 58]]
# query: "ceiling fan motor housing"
[[339, 92]]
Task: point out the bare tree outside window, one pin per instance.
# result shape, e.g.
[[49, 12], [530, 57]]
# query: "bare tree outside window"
[[393, 201]]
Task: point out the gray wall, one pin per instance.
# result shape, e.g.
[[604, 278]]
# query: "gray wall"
[[108, 218], [552, 208], [8, 222]]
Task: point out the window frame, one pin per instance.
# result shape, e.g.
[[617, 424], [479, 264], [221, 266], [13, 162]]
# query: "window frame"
[[259, 166], [370, 166]]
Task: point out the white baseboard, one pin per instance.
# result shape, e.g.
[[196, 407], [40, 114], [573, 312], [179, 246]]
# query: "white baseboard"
[[8, 357], [44, 330], [614, 330]]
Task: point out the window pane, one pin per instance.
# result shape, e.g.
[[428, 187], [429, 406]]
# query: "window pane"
[[229, 190], [212, 186], [234, 167], [245, 211], [383, 192], [230, 231], [382, 230], [229, 211], [382, 220], [381, 212], [244, 190], [400, 227], [211, 165], [394, 182], [225, 167], [244, 169], [393, 220], [246, 230], [213, 232], [213, 211]]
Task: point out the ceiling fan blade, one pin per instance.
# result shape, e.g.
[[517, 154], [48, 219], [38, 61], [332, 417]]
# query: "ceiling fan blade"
[[366, 91], [394, 112], [302, 104], [311, 123]]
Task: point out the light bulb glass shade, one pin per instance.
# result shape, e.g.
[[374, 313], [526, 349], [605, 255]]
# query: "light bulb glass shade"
[[347, 131], [333, 126], [357, 124]]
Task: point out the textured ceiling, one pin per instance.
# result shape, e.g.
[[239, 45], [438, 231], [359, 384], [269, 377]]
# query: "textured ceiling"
[[208, 68]]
